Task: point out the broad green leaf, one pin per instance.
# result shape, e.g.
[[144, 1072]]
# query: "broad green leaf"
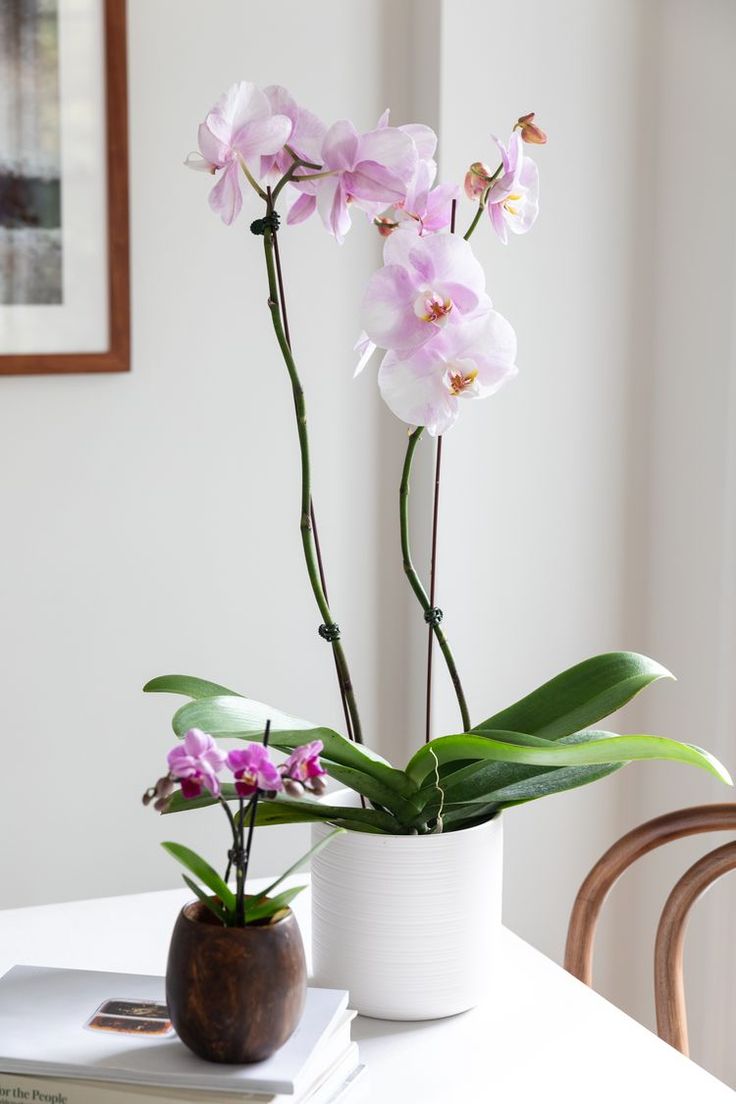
[[201, 869], [482, 779], [454, 820], [617, 749], [301, 810], [207, 901], [302, 861], [474, 779], [187, 685], [262, 908], [552, 782], [359, 782], [246, 719], [579, 697]]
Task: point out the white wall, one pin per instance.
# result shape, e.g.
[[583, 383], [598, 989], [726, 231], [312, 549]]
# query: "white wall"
[[535, 493], [151, 519]]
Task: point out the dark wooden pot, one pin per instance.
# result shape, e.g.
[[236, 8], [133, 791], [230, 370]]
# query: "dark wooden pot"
[[234, 994]]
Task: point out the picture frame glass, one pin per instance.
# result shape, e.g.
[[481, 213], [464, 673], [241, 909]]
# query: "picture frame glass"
[[53, 178]]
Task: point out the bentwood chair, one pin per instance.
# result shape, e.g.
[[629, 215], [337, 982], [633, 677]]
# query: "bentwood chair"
[[669, 993]]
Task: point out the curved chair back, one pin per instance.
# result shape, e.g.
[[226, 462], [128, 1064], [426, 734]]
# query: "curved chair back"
[[669, 989]]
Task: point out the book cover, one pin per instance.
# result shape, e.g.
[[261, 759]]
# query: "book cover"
[[114, 1027], [334, 1085]]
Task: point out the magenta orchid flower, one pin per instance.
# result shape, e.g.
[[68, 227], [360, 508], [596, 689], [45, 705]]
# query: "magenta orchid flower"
[[196, 762], [304, 764], [426, 283], [254, 770], [370, 171], [513, 199], [239, 130], [425, 386], [306, 138]]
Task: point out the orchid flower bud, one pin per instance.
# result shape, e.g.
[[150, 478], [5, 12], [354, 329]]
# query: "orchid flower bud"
[[159, 793], [530, 132], [477, 179], [385, 225], [317, 785], [293, 788]]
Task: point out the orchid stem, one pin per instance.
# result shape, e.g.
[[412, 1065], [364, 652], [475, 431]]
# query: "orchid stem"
[[482, 204], [415, 582], [305, 524]]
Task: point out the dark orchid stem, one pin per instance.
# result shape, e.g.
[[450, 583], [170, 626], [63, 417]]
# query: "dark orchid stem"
[[240, 869], [234, 830], [320, 565], [432, 585], [313, 519], [433, 561], [415, 582], [305, 524], [251, 827]]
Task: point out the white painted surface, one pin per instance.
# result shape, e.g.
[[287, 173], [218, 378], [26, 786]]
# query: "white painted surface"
[[540, 1035], [408, 901]]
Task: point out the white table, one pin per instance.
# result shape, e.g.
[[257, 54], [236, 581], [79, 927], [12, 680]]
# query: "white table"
[[541, 1038]]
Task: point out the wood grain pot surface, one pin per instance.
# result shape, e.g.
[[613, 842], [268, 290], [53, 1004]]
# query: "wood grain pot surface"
[[235, 994]]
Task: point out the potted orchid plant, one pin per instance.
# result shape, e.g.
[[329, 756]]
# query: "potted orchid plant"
[[253, 940], [411, 892]]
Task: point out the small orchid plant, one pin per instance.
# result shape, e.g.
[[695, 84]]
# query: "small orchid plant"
[[443, 343], [194, 767]]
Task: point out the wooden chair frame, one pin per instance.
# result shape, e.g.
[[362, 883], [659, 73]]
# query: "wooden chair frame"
[[668, 974]]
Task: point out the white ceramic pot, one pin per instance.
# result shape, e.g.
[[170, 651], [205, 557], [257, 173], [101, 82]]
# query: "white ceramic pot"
[[408, 924]]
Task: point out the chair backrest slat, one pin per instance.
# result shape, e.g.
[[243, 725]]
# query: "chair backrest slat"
[[609, 868]]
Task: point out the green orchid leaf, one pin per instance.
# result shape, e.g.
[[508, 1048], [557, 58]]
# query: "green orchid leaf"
[[263, 908], [552, 782], [209, 902], [480, 780], [616, 749], [579, 697], [245, 719], [296, 810], [403, 809], [187, 685], [201, 869], [302, 861]]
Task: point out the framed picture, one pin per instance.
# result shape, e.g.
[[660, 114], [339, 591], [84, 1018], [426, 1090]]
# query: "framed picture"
[[64, 270]]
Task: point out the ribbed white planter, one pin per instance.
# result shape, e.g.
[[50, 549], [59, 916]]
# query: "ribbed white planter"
[[408, 924]]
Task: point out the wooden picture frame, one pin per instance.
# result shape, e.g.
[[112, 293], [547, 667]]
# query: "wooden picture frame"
[[116, 357]]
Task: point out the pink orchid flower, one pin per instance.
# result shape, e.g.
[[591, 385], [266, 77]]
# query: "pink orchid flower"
[[426, 386], [428, 210], [424, 208], [306, 138], [426, 283], [196, 762], [303, 763], [240, 129], [254, 770], [370, 171], [513, 199]]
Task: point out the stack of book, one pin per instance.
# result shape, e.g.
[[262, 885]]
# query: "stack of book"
[[82, 1037]]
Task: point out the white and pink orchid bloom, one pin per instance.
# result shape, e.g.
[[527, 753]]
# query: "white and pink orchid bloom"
[[426, 386], [426, 284], [513, 199], [239, 130], [428, 210], [370, 171], [306, 138], [424, 209]]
